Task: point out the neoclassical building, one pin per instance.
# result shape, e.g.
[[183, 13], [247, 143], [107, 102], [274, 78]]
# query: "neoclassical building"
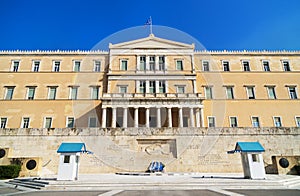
[[149, 82]]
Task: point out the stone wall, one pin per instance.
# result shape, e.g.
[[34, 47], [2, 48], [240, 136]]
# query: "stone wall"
[[132, 149]]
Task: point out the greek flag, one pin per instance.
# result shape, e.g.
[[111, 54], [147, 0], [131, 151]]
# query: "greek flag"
[[149, 21]]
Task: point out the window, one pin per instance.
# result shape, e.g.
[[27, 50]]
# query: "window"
[[277, 121], [92, 122], [48, 122], [180, 89], [73, 92], [225, 65], [123, 66], [250, 92], [56, 66], [95, 92], [179, 65], [142, 86], [292, 92], [122, 89], [3, 123], [152, 63], [255, 121], [9, 92], [208, 92], [233, 122], [97, 66], [52, 92], [67, 158], [162, 86], [151, 86], [161, 63], [70, 122], [35, 66], [15, 66], [142, 63], [30, 92], [246, 65], [297, 118], [77, 66], [211, 121], [229, 92], [271, 92], [266, 66], [255, 158], [205, 65], [25, 122], [286, 66]]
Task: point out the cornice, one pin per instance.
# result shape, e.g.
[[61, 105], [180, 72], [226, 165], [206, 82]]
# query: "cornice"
[[52, 52]]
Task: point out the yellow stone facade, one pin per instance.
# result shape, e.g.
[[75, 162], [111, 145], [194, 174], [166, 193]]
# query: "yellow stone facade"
[[149, 82]]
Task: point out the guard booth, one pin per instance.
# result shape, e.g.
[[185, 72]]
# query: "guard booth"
[[69, 160], [252, 159]]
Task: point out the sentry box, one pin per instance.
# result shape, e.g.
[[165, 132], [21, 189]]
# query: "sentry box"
[[252, 159]]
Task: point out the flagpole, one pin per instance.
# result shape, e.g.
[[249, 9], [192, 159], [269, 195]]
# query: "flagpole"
[[150, 25]]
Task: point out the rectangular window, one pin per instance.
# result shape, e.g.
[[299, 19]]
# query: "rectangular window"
[[77, 66], [226, 66], [151, 86], [297, 118], [70, 122], [92, 122], [142, 86], [15, 66], [56, 66], [179, 65], [162, 87], [161, 63], [73, 92], [35, 66], [142, 63], [122, 89], [208, 92], [95, 92], [286, 66], [211, 121], [292, 92], [9, 92], [52, 92], [277, 121], [152, 63], [266, 66], [250, 92], [48, 122], [3, 123], [246, 65], [123, 66], [229, 92], [31, 92], [67, 158], [255, 158], [233, 121], [205, 65], [25, 122], [180, 89], [255, 121], [271, 92], [97, 66]]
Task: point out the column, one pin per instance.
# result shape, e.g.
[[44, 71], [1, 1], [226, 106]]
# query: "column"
[[137, 86], [180, 118], [198, 121], [192, 117], [202, 117], [147, 116], [156, 63], [147, 86], [138, 63], [147, 63], [114, 118], [169, 117], [194, 86], [103, 117], [157, 86], [158, 117], [136, 117], [125, 111]]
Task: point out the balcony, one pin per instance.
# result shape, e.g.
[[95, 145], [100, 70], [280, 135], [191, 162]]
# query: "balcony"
[[153, 95]]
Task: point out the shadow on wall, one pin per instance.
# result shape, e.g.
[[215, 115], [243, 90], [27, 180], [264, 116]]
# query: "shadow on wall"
[[284, 165]]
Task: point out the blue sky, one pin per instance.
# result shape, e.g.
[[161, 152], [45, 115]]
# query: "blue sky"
[[217, 24]]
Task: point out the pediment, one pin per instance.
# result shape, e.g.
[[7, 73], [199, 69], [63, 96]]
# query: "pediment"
[[151, 42]]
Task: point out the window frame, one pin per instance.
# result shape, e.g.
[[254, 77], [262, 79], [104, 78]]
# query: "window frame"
[[236, 121], [142, 86], [54, 66], [295, 96], [273, 91], [3, 126], [161, 64], [33, 69], [211, 92], [45, 121], [23, 123], [177, 61], [205, 66], [93, 97], [231, 92], [297, 123], [246, 65], [152, 89], [214, 121], [67, 121], [97, 65], [284, 66], [121, 64], [29, 88], [227, 66], [268, 65], [280, 120], [49, 92], [76, 65], [152, 63], [13, 65], [125, 87], [89, 122], [162, 86], [178, 87], [258, 121], [252, 90], [71, 92], [7, 88]]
